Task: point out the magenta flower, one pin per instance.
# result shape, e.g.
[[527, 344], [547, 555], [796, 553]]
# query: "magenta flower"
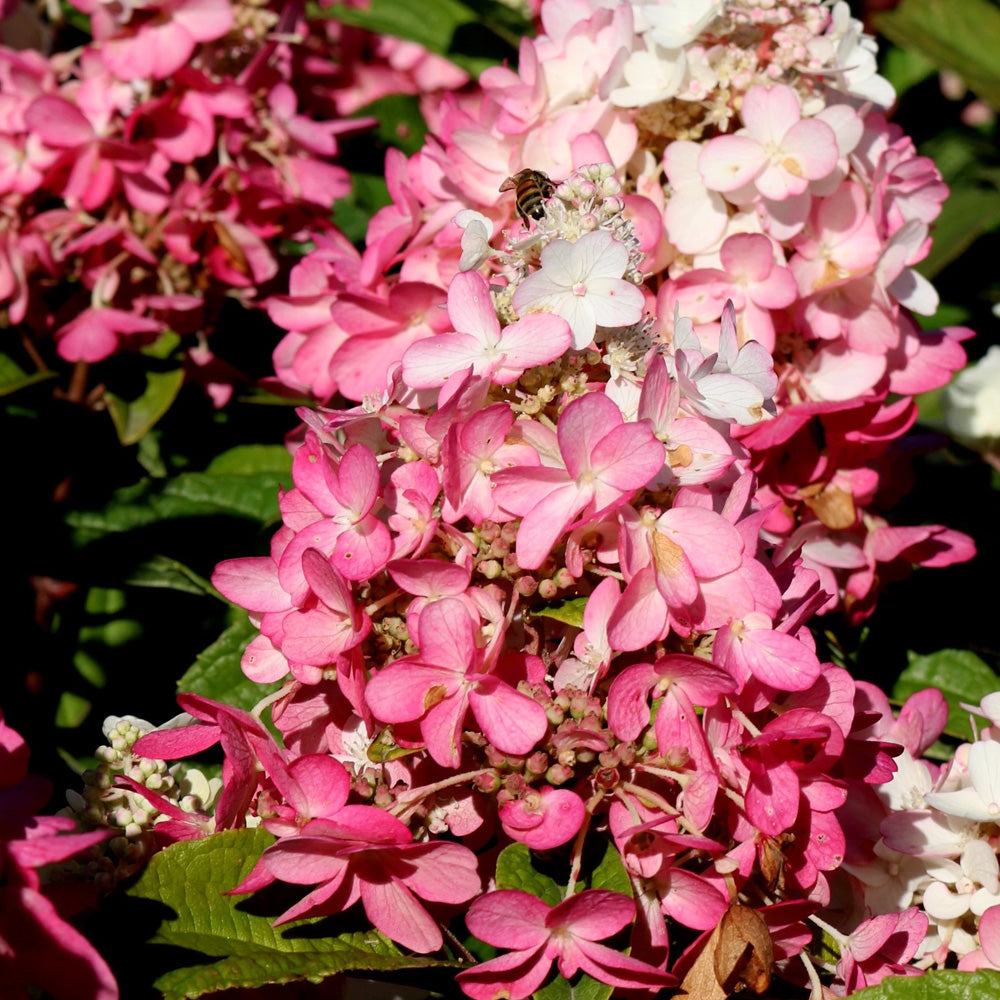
[[38, 948], [545, 818], [539, 935], [362, 852], [605, 458], [444, 680]]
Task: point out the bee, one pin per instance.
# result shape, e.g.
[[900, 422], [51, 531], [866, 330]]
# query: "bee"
[[531, 188]]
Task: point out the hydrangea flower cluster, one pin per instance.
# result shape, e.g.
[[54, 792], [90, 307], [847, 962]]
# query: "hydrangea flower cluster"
[[154, 173], [929, 844], [529, 595]]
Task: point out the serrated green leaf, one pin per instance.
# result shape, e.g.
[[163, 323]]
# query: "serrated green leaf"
[[957, 36], [944, 984], [217, 674], [13, 377], [133, 418], [192, 877], [958, 674], [569, 612], [432, 23], [169, 574]]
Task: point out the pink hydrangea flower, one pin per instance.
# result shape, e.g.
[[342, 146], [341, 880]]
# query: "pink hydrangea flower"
[[568, 933]]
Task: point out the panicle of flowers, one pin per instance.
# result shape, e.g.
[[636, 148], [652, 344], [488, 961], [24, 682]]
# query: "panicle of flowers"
[[430, 701], [550, 580]]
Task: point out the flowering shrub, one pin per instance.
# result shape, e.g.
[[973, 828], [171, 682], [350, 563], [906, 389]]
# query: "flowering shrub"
[[609, 409]]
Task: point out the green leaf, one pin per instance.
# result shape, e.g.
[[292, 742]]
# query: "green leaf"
[[957, 36], [169, 574], [71, 710], [252, 459], [569, 612], [351, 214], [904, 68], [217, 674], [13, 377], [516, 871], [580, 987], [133, 418], [400, 122], [192, 877], [432, 23], [958, 674], [251, 495], [944, 984], [602, 868]]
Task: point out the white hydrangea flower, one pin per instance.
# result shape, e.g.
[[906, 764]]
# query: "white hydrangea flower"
[[582, 282], [980, 800]]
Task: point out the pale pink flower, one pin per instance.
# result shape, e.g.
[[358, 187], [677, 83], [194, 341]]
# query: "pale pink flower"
[[582, 282], [880, 947], [477, 231], [979, 800], [502, 355], [539, 935], [777, 152], [695, 217]]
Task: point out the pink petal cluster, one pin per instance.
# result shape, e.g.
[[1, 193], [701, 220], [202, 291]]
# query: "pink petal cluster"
[[805, 208], [152, 176], [568, 933]]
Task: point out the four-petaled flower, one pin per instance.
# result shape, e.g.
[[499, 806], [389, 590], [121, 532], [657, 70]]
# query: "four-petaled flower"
[[567, 933], [583, 283]]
